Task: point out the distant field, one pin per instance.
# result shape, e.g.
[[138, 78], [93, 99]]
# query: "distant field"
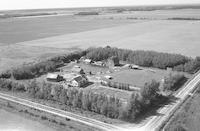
[[15, 55], [156, 14], [161, 35], [26, 29], [25, 39]]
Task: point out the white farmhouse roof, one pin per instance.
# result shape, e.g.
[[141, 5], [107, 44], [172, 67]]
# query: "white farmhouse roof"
[[108, 77], [52, 76], [88, 60]]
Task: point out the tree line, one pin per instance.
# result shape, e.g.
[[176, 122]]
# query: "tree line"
[[172, 82], [40, 68], [109, 106], [146, 58], [77, 98], [11, 85]]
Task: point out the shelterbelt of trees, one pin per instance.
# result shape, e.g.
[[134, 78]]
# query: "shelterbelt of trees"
[[142, 58], [109, 106], [147, 58], [40, 68]]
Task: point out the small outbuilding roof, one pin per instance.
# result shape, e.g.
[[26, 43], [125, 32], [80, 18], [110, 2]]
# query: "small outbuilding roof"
[[78, 78], [52, 76]]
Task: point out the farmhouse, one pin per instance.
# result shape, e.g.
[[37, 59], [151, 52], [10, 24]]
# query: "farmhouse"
[[54, 77], [69, 76], [88, 61], [78, 81], [132, 66], [136, 67], [99, 63], [75, 80], [113, 61]]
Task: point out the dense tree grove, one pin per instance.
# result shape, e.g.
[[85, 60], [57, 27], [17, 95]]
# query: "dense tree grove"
[[146, 58], [76, 97], [172, 82], [149, 92], [99, 103], [35, 70], [142, 58], [108, 106], [192, 66]]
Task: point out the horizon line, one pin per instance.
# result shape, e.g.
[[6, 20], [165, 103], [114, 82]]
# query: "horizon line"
[[83, 7]]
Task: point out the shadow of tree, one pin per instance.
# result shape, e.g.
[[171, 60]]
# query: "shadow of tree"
[[153, 109]]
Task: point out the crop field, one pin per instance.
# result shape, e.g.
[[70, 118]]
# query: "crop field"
[[26, 29], [24, 39], [174, 37], [188, 116], [155, 15], [15, 55]]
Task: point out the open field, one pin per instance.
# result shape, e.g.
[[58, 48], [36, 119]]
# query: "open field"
[[15, 55], [154, 15], [32, 120], [11, 122], [188, 116], [26, 29], [138, 77], [174, 37], [24, 39]]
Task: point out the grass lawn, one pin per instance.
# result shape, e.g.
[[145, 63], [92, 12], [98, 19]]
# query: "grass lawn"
[[138, 77]]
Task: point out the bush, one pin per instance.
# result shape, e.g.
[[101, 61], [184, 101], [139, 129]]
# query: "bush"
[[172, 82], [44, 118], [11, 85]]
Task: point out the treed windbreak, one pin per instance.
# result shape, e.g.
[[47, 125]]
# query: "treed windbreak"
[[146, 58]]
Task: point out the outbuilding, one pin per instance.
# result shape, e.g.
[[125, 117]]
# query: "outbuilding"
[[54, 77]]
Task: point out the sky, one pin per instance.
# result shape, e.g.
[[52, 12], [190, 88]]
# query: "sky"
[[35, 4]]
